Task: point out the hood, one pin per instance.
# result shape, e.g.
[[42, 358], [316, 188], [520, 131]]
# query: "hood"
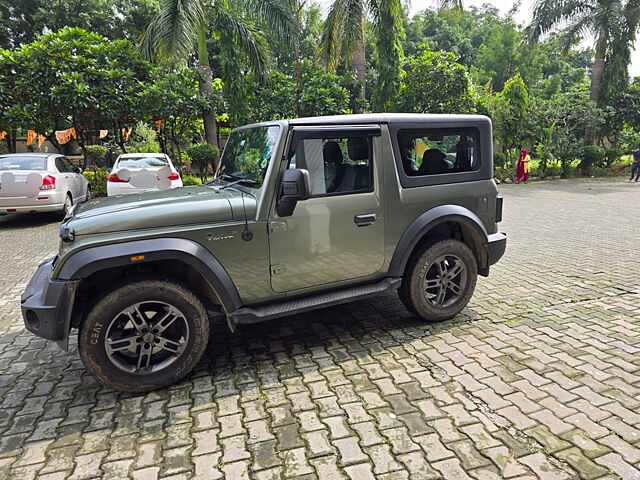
[[176, 207]]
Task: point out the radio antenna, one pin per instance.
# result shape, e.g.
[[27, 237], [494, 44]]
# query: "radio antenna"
[[247, 235]]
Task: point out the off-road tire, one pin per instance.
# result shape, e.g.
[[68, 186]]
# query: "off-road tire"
[[412, 291], [92, 338]]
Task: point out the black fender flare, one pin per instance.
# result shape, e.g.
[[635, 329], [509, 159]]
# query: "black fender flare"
[[93, 259], [429, 220]]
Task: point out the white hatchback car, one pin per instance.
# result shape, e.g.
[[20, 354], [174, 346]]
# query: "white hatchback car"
[[40, 182], [142, 172]]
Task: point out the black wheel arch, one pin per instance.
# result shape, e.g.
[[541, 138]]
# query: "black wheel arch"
[[174, 258], [439, 223]]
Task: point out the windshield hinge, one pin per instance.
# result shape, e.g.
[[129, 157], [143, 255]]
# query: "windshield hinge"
[[275, 227], [278, 269]]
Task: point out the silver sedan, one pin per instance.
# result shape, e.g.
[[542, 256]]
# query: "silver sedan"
[[40, 182]]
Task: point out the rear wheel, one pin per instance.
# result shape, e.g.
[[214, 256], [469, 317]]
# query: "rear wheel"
[[439, 280], [144, 335], [88, 196]]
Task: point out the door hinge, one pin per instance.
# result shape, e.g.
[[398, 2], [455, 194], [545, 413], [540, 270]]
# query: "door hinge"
[[278, 269]]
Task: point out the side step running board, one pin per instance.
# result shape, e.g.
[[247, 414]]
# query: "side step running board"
[[299, 305]]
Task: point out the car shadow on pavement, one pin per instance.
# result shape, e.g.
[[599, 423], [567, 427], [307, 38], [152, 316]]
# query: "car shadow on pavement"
[[23, 220]]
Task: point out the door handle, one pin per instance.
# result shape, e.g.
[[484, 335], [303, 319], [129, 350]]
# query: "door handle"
[[364, 220]]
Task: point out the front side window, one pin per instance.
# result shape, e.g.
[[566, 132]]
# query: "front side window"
[[68, 165], [435, 152], [336, 165], [248, 152]]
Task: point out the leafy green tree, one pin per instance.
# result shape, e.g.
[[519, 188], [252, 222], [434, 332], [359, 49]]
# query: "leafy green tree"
[[22, 21], [173, 97], [183, 26], [72, 78], [435, 83], [613, 24], [459, 34], [320, 93], [570, 113], [509, 113], [454, 4], [344, 36]]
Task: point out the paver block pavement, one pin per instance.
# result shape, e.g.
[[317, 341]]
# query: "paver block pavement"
[[538, 378]]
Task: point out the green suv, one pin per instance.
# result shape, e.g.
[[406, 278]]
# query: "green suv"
[[303, 214]]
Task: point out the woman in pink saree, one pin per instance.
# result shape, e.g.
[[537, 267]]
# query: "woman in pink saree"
[[522, 168]]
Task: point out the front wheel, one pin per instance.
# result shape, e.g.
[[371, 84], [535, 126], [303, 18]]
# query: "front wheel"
[[439, 280], [144, 335]]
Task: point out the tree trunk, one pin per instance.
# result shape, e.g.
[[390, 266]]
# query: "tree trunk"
[[596, 86], [53, 141], [359, 66], [117, 132], [206, 87], [597, 72]]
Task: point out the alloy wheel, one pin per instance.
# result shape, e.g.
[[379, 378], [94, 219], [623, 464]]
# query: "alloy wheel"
[[146, 337], [445, 281]]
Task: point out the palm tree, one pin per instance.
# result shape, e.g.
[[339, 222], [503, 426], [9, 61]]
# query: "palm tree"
[[452, 4], [612, 23], [343, 35], [183, 26]]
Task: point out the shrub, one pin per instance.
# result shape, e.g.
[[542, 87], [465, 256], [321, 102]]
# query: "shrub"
[[502, 173], [550, 171], [203, 157], [98, 181], [191, 180], [592, 156], [612, 156], [95, 156], [499, 159]]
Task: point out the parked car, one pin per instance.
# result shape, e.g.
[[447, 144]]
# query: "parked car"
[[40, 182], [305, 214], [142, 172]]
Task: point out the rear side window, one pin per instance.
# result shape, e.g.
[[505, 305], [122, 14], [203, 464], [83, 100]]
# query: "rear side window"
[[143, 162], [23, 162], [438, 151], [339, 165]]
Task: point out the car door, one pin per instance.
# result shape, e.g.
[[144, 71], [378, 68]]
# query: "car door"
[[65, 181], [337, 234], [76, 183]]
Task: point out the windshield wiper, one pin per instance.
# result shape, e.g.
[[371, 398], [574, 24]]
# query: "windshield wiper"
[[223, 176], [240, 180]]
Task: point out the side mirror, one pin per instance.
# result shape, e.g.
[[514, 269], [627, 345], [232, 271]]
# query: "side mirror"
[[295, 187], [78, 170]]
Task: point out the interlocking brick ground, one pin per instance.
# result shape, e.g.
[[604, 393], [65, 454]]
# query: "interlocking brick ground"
[[538, 378]]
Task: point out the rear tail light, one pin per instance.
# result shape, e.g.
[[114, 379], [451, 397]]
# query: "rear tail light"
[[174, 176], [115, 178], [48, 183]]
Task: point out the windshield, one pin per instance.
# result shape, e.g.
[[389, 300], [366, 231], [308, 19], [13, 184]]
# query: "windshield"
[[143, 162], [247, 153], [23, 163]]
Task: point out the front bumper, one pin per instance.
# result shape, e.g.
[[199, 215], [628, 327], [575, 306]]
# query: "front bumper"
[[496, 245], [47, 303]]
